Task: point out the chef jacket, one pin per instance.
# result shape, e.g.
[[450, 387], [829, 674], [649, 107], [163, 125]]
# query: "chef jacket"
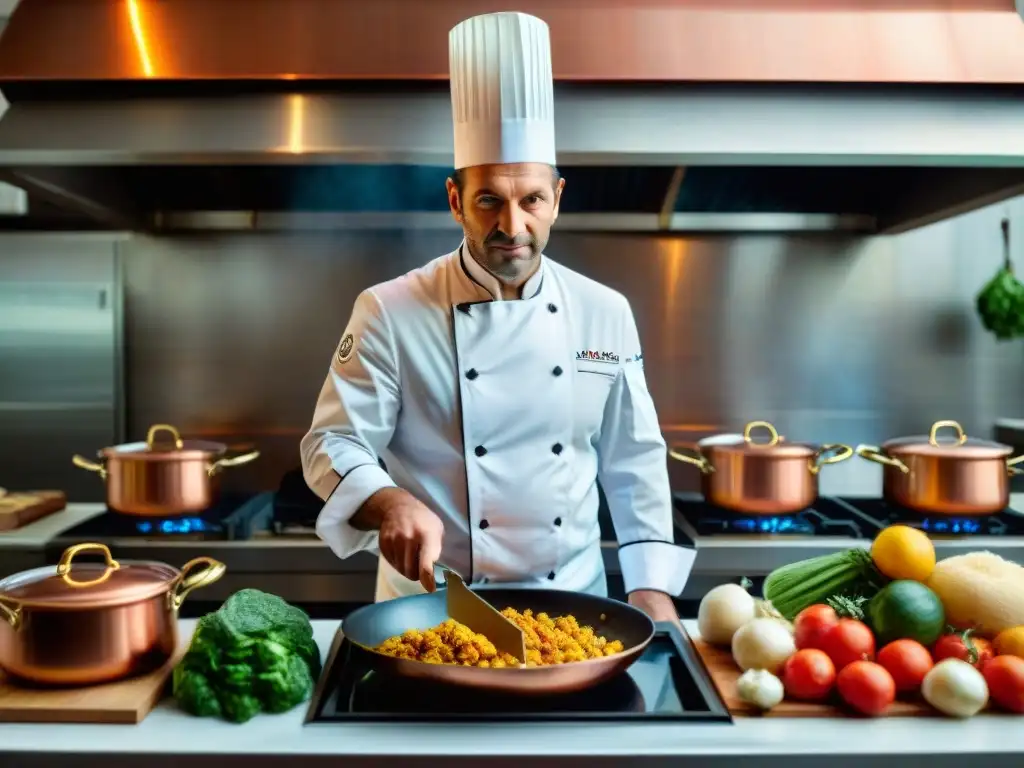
[[501, 417]]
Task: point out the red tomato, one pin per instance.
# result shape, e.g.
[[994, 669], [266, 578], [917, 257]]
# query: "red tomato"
[[1005, 678], [907, 661], [848, 641], [866, 687], [955, 646], [811, 624], [809, 675]]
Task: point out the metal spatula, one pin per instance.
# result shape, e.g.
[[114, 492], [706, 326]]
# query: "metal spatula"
[[467, 607]]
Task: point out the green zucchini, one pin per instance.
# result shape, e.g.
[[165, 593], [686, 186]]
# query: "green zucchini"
[[796, 586]]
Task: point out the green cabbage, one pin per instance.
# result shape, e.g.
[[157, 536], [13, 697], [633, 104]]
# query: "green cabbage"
[[255, 654]]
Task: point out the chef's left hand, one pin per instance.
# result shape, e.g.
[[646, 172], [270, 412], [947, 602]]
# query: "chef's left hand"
[[657, 605]]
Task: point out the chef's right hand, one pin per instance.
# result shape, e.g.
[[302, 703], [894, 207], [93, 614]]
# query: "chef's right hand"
[[411, 537]]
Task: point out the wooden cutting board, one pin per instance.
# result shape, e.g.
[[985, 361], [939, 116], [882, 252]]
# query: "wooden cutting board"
[[18, 509], [724, 673], [126, 702]]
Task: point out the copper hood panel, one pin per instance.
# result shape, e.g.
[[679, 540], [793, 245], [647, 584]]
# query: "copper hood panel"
[[864, 115], [867, 41]]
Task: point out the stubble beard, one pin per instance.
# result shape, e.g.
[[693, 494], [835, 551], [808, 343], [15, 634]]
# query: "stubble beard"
[[509, 271]]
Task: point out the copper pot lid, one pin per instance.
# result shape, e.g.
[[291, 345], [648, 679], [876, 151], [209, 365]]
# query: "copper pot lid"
[[750, 443], [164, 442], [953, 443], [88, 584]]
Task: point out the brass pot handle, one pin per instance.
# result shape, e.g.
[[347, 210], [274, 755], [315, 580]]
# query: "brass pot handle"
[[830, 453], [156, 429], [933, 436], [11, 615], [83, 463], [696, 459], [773, 435], [234, 461], [195, 574], [1011, 466], [874, 453], [64, 566]]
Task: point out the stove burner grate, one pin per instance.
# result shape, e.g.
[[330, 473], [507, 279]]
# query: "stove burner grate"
[[881, 514], [828, 517]]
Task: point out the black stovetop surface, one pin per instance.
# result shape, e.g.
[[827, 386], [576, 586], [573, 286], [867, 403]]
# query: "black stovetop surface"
[[667, 683], [846, 517]]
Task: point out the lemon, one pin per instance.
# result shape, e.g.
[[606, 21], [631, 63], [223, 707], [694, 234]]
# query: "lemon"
[[1010, 642], [902, 552]]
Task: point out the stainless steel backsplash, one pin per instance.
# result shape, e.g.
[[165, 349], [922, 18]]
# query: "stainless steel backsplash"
[[831, 338]]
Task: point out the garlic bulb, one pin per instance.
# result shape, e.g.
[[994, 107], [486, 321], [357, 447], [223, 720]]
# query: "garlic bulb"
[[760, 688]]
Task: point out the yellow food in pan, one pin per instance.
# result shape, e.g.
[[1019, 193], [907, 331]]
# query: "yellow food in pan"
[[548, 641]]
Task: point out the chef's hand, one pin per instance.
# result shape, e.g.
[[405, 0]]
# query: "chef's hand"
[[410, 534], [657, 605]]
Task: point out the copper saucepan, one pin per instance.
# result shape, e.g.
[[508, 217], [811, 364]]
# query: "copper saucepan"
[[958, 476], [760, 478], [153, 479], [82, 623]]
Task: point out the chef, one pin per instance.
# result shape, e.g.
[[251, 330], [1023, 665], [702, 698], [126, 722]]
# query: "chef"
[[497, 386]]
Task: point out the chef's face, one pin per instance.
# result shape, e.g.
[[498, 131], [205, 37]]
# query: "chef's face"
[[506, 212]]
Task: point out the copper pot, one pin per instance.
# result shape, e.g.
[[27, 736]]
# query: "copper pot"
[[760, 478], [172, 478], [959, 476], [94, 622]]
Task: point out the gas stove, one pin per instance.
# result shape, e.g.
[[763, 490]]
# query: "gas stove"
[[232, 518], [880, 514], [668, 683], [842, 517], [827, 518]]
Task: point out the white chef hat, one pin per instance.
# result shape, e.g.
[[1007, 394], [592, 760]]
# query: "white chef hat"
[[502, 90]]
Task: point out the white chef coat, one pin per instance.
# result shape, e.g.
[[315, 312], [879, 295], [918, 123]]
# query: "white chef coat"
[[500, 416]]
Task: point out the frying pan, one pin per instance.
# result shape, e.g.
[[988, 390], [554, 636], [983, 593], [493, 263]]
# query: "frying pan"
[[369, 626]]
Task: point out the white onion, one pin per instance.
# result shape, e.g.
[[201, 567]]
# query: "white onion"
[[762, 644], [724, 610], [955, 688]]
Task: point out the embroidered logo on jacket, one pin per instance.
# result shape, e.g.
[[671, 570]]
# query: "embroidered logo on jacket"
[[345, 349], [597, 357]]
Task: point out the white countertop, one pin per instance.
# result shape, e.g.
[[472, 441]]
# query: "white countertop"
[[168, 735]]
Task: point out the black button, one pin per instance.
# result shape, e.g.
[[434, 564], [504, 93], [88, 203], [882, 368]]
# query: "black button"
[[558, 521], [472, 374], [463, 308], [556, 448], [557, 371], [480, 450], [552, 308], [551, 576], [483, 525]]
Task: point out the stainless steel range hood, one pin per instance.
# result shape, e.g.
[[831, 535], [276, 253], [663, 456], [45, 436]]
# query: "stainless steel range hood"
[[162, 116]]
